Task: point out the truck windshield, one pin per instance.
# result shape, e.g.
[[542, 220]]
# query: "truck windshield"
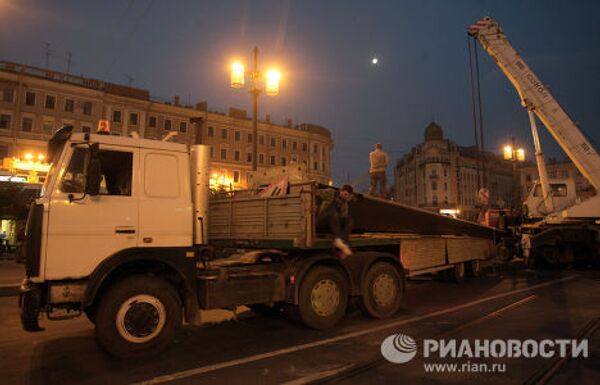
[[558, 190]]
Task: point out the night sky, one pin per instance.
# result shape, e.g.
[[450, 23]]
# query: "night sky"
[[325, 49]]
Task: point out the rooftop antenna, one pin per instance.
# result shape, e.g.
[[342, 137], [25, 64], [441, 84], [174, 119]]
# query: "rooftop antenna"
[[130, 80], [47, 52], [69, 60]]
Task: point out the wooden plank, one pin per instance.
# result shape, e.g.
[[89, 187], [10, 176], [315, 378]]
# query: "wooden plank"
[[417, 254]]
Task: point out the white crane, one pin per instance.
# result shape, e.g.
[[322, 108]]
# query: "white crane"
[[536, 98]]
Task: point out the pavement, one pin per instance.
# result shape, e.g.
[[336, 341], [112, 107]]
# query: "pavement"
[[515, 303], [11, 275]]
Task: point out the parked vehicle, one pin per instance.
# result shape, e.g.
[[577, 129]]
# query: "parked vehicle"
[[125, 233]]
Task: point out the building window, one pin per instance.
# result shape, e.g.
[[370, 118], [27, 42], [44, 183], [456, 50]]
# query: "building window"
[[315, 149], [167, 124], [261, 158], [315, 166], [152, 122], [434, 186], [116, 116], [8, 95], [273, 142], [261, 139], [70, 105], [87, 108], [294, 145], [284, 161], [48, 125], [50, 102], [272, 160], [223, 133], [249, 157], [304, 147], [211, 131], [283, 143], [212, 152], [183, 127], [3, 151], [236, 177], [238, 136], [4, 121], [249, 138], [236, 155], [27, 124], [224, 153], [445, 186], [133, 118], [30, 98]]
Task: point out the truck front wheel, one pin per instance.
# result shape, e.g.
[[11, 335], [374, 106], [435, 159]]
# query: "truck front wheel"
[[382, 291], [323, 297], [138, 317]]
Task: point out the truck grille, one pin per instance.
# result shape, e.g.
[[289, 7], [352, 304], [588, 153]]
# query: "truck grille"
[[33, 239]]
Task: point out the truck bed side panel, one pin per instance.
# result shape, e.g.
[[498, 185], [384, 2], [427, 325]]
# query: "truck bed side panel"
[[423, 253]]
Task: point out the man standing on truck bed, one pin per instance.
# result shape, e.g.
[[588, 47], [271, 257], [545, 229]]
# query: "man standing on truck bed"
[[333, 215], [379, 161]]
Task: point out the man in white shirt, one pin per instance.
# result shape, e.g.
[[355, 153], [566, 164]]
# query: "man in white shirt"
[[379, 161]]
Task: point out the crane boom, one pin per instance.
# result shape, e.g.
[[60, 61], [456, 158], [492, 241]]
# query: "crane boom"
[[537, 98]]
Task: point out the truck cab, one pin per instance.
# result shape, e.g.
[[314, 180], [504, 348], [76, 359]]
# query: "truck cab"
[[562, 193]]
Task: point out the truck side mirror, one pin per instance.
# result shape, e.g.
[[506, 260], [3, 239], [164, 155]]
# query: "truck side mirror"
[[93, 176]]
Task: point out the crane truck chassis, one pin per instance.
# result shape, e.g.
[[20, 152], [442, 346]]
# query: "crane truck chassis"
[[125, 233]]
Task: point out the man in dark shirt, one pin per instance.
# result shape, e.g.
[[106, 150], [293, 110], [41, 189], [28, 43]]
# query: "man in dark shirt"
[[333, 214]]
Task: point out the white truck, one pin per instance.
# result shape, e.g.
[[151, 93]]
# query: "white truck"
[[562, 193], [566, 233], [125, 233]]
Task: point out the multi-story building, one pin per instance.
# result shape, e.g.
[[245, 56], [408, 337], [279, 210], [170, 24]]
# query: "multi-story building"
[[439, 174], [35, 102], [557, 169]]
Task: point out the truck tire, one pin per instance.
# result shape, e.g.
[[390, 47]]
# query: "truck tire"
[[323, 297], [138, 317], [383, 291], [474, 268], [457, 273]]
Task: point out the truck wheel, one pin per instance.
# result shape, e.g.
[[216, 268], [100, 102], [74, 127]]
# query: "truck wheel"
[[323, 297], [383, 291], [138, 317], [457, 273], [474, 268]]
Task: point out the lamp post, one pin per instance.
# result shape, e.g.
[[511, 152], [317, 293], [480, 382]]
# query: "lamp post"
[[268, 82], [515, 155]]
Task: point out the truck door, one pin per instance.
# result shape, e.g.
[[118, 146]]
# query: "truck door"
[[84, 230], [166, 210]]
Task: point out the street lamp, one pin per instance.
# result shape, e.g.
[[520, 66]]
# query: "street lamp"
[[270, 85], [515, 155]]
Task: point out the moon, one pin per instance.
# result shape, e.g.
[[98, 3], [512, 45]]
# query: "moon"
[[374, 61]]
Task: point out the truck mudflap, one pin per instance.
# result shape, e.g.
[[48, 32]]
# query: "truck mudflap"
[[30, 300]]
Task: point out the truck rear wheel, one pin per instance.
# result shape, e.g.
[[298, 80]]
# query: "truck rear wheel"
[[138, 317], [383, 290], [457, 273], [474, 268], [323, 297]]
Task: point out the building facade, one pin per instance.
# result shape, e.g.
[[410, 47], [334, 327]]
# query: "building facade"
[[35, 102], [439, 174]]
